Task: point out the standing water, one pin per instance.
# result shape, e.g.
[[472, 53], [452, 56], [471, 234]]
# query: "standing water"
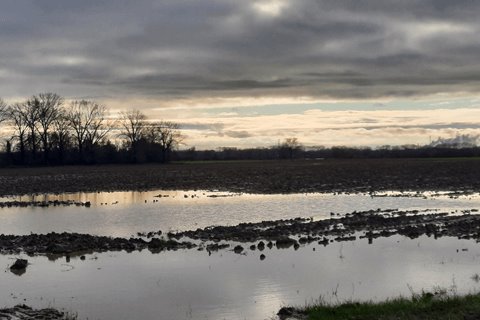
[[191, 284]]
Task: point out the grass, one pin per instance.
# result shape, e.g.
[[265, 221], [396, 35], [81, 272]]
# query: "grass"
[[422, 306]]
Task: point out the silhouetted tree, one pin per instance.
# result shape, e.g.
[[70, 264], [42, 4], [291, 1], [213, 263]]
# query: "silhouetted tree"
[[289, 148], [4, 115], [87, 120], [17, 118], [30, 112], [166, 135], [61, 137], [49, 109], [4, 112], [133, 127]]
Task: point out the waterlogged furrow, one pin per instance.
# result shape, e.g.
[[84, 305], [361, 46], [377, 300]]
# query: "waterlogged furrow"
[[280, 233]]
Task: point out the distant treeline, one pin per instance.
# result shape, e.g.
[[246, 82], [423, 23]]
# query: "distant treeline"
[[146, 150], [281, 152]]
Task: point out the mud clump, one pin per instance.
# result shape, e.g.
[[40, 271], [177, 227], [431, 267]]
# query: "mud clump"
[[66, 243], [19, 267], [20, 264], [26, 313], [285, 243], [238, 249], [290, 313]]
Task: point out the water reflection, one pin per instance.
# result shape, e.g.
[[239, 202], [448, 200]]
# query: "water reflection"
[[124, 198], [126, 213], [18, 272], [192, 285]]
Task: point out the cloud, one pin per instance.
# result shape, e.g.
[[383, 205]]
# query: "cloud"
[[170, 50], [329, 128], [237, 134], [202, 126]]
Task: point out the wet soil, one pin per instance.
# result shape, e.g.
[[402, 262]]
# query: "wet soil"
[[43, 204], [355, 175], [68, 243], [26, 313], [267, 234], [367, 224]]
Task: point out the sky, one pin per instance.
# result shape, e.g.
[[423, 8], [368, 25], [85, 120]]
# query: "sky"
[[252, 73]]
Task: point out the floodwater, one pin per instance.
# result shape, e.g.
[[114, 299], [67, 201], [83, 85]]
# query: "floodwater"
[[126, 213], [190, 284]]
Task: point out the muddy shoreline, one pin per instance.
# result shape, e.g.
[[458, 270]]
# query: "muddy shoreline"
[[281, 234], [354, 175]]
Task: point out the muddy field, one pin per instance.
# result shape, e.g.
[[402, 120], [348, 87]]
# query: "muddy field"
[[364, 175], [281, 234], [460, 176]]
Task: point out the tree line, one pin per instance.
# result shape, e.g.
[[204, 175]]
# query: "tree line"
[[46, 130], [283, 151]]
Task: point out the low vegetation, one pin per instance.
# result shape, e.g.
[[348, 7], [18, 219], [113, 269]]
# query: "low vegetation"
[[419, 307]]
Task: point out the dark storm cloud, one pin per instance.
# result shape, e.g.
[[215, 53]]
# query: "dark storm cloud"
[[214, 48]]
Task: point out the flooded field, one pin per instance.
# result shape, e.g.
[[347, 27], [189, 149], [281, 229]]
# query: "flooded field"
[[194, 284], [126, 213]]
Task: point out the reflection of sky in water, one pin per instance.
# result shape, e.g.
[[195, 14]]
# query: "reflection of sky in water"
[[126, 213], [192, 285]]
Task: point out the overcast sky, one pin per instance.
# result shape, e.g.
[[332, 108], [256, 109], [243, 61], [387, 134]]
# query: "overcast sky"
[[251, 73]]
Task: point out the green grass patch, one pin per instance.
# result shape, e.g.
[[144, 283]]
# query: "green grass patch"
[[423, 306]]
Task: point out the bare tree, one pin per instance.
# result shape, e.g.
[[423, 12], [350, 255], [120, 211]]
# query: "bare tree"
[[167, 135], [61, 136], [17, 117], [30, 113], [4, 112], [49, 105], [133, 127], [289, 148], [98, 128], [87, 119]]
